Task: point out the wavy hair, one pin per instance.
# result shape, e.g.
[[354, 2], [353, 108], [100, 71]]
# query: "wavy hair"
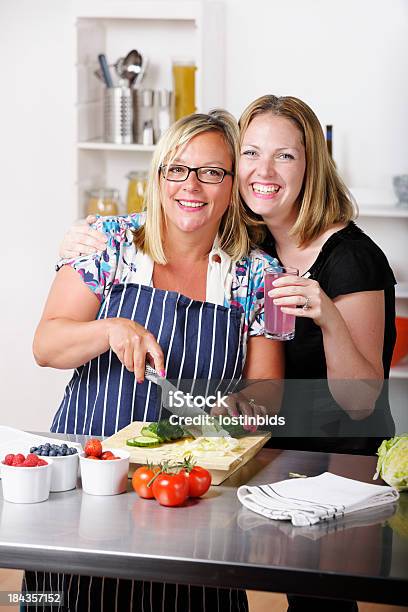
[[324, 198]]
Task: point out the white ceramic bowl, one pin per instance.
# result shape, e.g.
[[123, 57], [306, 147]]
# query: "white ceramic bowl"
[[64, 472], [105, 477], [26, 485]]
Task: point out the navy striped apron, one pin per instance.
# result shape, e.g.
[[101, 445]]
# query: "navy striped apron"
[[200, 340]]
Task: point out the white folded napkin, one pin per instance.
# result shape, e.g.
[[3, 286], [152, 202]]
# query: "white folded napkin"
[[307, 501]]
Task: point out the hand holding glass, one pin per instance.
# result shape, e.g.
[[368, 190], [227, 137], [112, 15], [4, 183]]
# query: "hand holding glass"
[[278, 325]]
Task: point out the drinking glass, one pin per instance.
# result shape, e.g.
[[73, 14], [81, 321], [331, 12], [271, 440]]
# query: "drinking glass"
[[278, 325]]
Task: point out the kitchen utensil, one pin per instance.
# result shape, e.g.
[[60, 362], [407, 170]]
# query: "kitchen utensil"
[[26, 485], [162, 111], [64, 472], [143, 113], [221, 467], [101, 477], [118, 115], [105, 70], [130, 66], [168, 391]]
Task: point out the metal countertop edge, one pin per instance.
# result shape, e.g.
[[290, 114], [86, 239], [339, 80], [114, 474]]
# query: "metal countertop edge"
[[209, 573]]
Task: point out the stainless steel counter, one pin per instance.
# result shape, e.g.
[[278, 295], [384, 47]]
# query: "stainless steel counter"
[[214, 540]]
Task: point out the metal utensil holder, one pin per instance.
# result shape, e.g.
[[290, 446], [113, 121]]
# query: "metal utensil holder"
[[118, 115]]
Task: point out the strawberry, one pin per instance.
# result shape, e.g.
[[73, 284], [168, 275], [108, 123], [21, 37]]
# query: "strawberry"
[[8, 459], [93, 447], [107, 455]]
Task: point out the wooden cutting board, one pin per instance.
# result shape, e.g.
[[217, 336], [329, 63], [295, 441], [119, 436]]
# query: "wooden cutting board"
[[220, 467]]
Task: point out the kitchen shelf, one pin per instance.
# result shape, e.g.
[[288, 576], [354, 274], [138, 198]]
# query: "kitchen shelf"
[[99, 145], [391, 212], [162, 31]]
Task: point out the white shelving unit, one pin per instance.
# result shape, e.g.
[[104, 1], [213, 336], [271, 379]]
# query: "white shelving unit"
[[389, 212], [161, 31], [388, 226]]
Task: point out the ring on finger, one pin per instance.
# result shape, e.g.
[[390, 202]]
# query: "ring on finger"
[[307, 305]]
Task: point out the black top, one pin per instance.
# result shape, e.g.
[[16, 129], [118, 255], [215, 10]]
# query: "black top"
[[349, 262]]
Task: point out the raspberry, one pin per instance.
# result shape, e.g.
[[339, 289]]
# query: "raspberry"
[[32, 457], [18, 459], [42, 462], [92, 457], [8, 459], [29, 463]]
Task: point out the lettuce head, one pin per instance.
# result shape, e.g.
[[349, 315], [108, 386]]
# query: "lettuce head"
[[392, 463]]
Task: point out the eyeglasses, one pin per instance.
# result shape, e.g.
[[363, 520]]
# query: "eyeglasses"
[[178, 174]]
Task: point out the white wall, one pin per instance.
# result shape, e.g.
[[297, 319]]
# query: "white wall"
[[347, 59]]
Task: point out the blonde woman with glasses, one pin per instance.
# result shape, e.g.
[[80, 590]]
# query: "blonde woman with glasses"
[[180, 289]]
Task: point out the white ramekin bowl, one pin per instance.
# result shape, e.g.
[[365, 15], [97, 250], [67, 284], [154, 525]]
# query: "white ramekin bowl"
[[26, 485], [101, 477], [64, 473]]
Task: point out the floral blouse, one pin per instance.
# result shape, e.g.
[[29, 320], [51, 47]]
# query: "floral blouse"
[[118, 264]]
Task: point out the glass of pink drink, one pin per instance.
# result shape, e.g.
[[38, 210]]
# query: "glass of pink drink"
[[278, 326]]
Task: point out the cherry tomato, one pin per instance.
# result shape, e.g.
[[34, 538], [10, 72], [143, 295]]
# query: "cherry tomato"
[[199, 481], [171, 489], [141, 479]]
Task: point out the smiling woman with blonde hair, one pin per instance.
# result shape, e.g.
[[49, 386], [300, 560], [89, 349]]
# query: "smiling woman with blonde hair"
[[178, 289]]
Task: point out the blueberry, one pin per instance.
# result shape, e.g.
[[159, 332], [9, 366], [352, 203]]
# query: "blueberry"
[[44, 453], [63, 451], [33, 449], [37, 452], [52, 453], [47, 445], [64, 446]]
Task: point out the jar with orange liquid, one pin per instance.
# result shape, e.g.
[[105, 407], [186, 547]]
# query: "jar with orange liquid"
[[102, 202], [135, 200], [184, 88]]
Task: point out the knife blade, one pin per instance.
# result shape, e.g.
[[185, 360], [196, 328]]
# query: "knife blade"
[[184, 408]]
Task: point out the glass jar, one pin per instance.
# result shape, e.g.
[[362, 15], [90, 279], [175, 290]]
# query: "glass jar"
[[135, 200], [184, 88], [102, 202]]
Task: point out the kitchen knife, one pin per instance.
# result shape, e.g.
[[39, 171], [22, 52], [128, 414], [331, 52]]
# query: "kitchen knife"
[[184, 410]]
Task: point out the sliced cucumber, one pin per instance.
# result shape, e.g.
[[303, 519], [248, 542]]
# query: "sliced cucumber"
[[148, 433], [143, 441]]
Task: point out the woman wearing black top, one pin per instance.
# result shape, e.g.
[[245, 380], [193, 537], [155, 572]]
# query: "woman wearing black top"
[[344, 296]]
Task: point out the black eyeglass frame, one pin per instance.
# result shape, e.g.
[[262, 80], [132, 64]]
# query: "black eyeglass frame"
[[190, 170]]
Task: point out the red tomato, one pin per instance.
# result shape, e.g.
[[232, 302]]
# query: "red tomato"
[[141, 479], [171, 489], [199, 481]]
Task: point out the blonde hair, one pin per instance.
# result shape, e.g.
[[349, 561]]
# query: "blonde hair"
[[324, 198], [232, 234]]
